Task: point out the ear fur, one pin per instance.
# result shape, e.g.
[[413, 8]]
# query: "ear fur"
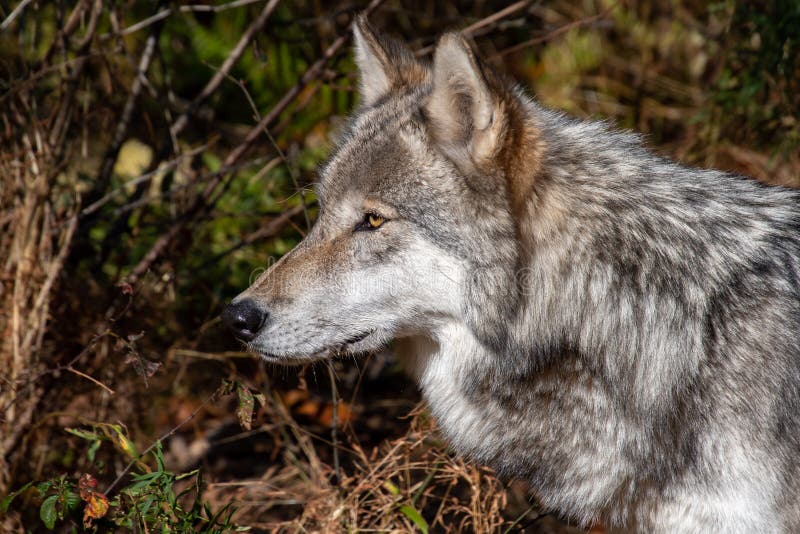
[[465, 113], [383, 63]]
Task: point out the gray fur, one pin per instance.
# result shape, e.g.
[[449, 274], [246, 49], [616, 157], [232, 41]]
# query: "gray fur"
[[623, 332]]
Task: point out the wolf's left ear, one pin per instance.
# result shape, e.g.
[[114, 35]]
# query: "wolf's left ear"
[[383, 63], [465, 113]]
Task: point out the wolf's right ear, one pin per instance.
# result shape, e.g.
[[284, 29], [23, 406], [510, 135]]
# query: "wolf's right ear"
[[383, 63], [465, 112]]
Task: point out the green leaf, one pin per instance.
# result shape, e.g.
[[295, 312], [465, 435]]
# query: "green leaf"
[[214, 519], [412, 513], [44, 487], [181, 476], [71, 500], [158, 454], [124, 443], [84, 434], [92, 452], [141, 483], [48, 511], [394, 490], [6, 501]]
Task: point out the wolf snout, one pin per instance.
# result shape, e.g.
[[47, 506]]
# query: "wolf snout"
[[244, 318]]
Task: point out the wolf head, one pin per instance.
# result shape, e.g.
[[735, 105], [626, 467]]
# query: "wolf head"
[[417, 219]]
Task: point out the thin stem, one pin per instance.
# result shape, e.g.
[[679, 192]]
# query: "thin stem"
[[335, 423]]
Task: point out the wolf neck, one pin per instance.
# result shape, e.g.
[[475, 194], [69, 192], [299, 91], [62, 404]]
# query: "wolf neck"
[[444, 365], [557, 186], [524, 426]]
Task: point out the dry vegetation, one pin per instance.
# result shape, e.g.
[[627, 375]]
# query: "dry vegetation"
[[153, 155]]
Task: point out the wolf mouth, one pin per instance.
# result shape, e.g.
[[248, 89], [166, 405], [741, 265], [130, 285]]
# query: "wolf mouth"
[[334, 350], [355, 339]]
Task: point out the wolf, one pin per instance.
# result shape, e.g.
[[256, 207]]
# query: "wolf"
[[619, 330]]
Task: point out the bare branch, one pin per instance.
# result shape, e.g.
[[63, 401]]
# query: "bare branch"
[[152, 19], [271, 229], [164, 13], [88, 210], [14, 14], [127, 113], [203, 8], [90, 379], [472, 28], [555, 33], [229, 62]]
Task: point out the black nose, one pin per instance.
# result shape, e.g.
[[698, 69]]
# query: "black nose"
[[245, 318]]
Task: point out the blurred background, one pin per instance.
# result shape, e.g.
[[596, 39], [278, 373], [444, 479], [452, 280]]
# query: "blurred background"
[[155, 156]]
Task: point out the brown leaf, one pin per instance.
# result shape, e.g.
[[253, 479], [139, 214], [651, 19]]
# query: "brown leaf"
[[245, 409], [86, 485], [143, 367], [96, 502], [96, 507]]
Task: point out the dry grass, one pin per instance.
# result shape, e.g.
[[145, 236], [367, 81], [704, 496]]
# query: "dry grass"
[[386, 489], [37, 226]]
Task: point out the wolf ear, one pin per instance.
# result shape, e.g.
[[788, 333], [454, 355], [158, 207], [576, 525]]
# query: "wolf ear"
[[463, 110], [383, 63]]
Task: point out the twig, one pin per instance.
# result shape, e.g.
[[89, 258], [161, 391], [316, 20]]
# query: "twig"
[[271, 229], [555, 33], [97, 10], [164, 13], [55, 267], [31, 79], [313, 72], [90, 378], [521, 516], [281, 155], [491, 19], [59, 128], [152, 19], [63, 33], [143, 201], [293, 175], [472, 28], [14, 14], [335, 423], [225, 68], [224, 356], [88, 210], [21, 425], [203, 8], [127, 113]]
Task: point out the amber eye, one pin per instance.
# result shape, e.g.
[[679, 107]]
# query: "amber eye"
[[371, 221], [375, 221]]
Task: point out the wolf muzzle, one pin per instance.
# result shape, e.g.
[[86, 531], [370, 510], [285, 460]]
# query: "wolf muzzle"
[[244, 318]]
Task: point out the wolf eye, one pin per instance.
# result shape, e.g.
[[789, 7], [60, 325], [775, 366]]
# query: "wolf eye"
[[375, 221], [371, 222]]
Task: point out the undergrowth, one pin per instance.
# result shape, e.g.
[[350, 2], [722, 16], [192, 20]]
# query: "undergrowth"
[[156, 156]]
